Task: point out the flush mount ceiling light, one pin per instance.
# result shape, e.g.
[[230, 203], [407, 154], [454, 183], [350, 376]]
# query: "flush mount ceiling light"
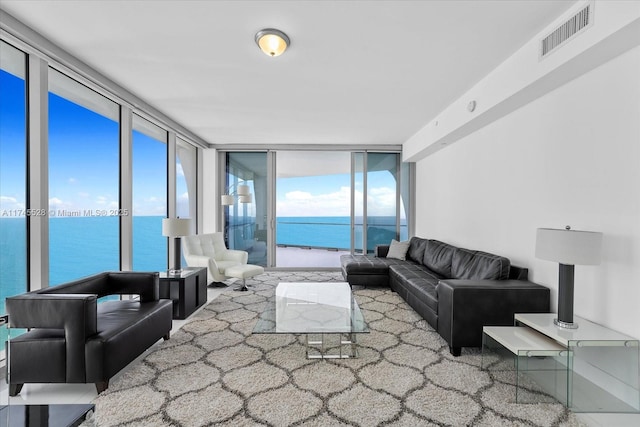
[[272, 42]]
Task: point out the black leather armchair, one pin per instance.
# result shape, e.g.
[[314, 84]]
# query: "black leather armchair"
[[73, 339]]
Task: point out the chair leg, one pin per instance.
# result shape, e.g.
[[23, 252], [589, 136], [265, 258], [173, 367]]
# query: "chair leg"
[[244, 286], [14, 389], [102, 386]]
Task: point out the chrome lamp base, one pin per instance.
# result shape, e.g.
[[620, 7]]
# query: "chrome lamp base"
[[565, 325]]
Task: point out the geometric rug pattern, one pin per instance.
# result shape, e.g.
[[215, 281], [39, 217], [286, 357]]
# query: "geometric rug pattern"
[[215, 372]]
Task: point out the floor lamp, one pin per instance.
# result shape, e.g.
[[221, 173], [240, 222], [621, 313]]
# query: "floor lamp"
[[569, 248], [176, 228]]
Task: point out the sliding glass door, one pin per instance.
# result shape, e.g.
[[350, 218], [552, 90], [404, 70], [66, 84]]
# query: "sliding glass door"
[[246, 217], [313, 208], [382, 195], [307, 208]]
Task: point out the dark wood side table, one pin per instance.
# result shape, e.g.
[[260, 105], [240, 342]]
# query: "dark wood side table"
[[188, 290]]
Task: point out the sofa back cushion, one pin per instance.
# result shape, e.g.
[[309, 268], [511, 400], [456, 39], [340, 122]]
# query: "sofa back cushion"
[[95, 284], [438, 256], [416, 249], [478, 265]]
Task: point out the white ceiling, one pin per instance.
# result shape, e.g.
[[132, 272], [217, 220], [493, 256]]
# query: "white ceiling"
[[357, 72]]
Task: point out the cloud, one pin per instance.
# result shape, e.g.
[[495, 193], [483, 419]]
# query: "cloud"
[[10, 203], [381, 201], [84, 194], [302, 203], [72, 180], [184, 196], [7, 199], [101, 200], [298, 195], [55, 203]]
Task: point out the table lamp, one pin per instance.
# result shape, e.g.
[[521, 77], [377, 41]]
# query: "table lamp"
[[568, 248], [176, 228]]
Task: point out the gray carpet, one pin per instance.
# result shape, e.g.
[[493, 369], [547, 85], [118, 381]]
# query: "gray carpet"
[[215, 372]]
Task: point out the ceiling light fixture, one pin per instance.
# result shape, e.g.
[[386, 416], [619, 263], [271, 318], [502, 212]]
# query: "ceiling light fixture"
[[272, 42]]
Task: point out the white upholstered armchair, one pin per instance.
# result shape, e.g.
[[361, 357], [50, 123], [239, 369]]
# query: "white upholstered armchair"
[[209, 250]]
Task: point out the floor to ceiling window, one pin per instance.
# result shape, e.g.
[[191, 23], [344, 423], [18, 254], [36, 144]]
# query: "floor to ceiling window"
[[80, 179], [83, 181], [13, 175], [149, 195]]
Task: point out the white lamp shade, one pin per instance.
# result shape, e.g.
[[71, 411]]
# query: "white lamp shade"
[[176, 227], [242, 190], [570, 247], [227, 200], [245, 198]]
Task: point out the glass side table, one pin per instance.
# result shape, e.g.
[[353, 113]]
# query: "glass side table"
[[602, 364], [534, 361]]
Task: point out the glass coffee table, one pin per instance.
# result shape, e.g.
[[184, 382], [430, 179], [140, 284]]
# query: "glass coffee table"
[[327, 313]]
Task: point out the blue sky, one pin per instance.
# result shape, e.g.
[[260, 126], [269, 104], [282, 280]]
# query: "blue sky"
[[12, 145], [83, 158]]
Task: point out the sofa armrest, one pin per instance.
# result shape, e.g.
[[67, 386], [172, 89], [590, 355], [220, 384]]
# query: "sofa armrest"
[[147, 285], [381, 251], [198, 260], [75, 313], [235, 255], [465, 306]]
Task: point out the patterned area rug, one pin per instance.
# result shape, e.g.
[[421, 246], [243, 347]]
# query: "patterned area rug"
[[215, 372]]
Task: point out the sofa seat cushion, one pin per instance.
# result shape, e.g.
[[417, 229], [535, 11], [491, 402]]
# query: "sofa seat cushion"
[[125, 330], [424, 290], [478, 265], [408, 271], [117, 316], [362, 264]]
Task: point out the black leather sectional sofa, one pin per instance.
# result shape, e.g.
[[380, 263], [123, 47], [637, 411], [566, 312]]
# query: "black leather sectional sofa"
[[457, 290], [74, 339]]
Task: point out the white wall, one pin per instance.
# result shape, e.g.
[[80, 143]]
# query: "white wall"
[[569, 157]]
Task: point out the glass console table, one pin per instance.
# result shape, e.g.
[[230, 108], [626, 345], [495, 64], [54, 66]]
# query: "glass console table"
[[589, 369]]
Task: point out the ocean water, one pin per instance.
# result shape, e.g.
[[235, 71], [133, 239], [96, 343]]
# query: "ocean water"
[[87, 245], [333, 232], [81, 246]]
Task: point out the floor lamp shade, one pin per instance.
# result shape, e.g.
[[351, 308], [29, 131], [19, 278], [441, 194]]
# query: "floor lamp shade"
[[568, 248], [176, 227], [242, 191]]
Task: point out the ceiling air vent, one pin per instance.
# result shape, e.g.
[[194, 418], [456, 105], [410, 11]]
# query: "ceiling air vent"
[[567, 30]]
